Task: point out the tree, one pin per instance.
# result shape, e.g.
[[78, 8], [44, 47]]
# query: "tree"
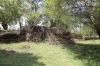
[[73, 12], [56, 12], [9, 11], [53, 10], [34, 14], [88, 11]]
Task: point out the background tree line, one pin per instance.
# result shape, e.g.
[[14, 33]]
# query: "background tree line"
[[61, 13]]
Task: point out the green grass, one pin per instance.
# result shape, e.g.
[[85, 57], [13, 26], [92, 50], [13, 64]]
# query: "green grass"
[[84, 53], [93, 42]]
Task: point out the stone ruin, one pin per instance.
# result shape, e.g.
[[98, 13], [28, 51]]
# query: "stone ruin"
[[61, 36], [10, 37], [77, 36], [39, 33], [53, 35], [34, 33]]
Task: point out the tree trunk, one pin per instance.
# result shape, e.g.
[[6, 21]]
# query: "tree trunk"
[[20, 25], [97, 28], [53, 24], [5, 26], [98, 32], [89, 31]]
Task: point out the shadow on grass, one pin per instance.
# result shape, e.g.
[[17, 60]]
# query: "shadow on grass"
[[89, 54], [12, 58]]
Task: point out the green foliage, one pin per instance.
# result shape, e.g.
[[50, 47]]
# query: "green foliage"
[[53, 10], [34, 11], [9, 11], [88, 31], [33, 17], [84, 30], [58, 14], [87, 13]]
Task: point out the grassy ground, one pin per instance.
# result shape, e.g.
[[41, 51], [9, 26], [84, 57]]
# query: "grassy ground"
[[84, 53]]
